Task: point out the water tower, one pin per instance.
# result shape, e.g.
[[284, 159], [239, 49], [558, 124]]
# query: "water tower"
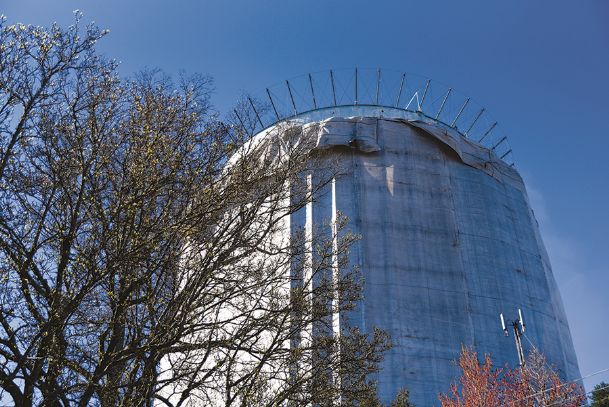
[[448, 238]]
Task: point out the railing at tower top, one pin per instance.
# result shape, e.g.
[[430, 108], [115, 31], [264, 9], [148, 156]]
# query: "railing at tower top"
[[375, 93]]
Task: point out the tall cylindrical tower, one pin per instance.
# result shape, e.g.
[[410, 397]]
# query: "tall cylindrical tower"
[[448, 237]]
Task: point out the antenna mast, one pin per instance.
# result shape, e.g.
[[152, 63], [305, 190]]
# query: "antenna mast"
[[519, 328]]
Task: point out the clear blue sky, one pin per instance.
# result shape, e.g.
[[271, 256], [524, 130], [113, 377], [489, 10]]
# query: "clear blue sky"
[[541, 67]]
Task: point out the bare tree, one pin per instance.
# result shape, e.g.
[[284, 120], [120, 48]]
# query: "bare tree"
[[146, 253]]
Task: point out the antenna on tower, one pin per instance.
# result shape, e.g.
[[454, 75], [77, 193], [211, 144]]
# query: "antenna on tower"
[[521, 320], [268, 92], [378, 84], [443, 103], [355, 103], [383, 93], [397, 103], [518, 327], [420, 109], [505, 331], [333, 87], [241, 121], [312, 91], [291, 97], [255, 111]]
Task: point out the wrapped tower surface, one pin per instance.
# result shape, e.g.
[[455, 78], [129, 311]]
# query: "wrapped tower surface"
[[448, 242]]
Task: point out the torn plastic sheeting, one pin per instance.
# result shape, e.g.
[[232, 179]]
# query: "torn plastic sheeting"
[[351, 132], [361, 133], [365, 135], [471, 154]]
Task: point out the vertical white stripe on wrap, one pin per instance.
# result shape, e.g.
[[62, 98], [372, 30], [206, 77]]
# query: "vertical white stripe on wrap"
[[308, 253], [335, 279]]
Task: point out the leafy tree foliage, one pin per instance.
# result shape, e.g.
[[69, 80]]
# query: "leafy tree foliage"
[[402, 399], [534, 385], [600, 395], [145, 250]]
